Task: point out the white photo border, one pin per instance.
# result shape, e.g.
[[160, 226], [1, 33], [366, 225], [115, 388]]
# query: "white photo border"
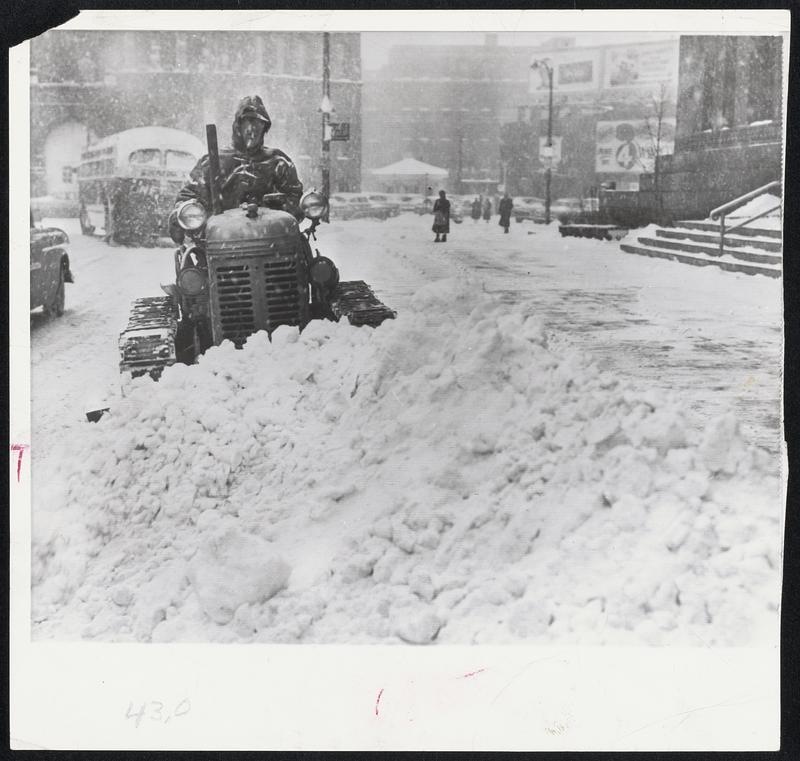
[[304, 697]]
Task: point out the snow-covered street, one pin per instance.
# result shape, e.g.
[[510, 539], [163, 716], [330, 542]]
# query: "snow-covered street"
[[554, 441]]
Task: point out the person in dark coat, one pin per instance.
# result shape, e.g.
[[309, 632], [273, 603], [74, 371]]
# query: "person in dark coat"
[[476, 209], [248, 170], [487, 208], [505, 207], [441, 217]]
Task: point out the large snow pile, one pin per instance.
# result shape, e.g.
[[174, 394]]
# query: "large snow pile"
[[444, 478]]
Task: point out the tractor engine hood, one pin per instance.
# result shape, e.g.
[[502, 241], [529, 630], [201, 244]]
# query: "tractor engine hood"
[[256, 224]]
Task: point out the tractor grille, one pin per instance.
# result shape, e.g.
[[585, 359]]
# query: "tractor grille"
[[281, 290], [235, 302], [259, 291]]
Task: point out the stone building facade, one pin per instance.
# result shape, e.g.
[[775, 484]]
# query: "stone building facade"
[[729, 130], [90, 84]]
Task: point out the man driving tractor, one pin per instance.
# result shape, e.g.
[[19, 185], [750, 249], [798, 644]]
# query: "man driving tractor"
[[248, 170]]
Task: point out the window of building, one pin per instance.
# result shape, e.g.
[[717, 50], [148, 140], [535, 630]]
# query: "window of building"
[[154, 55], [728, 83], [764, 80], [125, 50], [181, 44], [197, 52], [307, 57], [709, 116], [275, 49]]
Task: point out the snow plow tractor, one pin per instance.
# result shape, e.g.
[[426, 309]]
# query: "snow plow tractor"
[[237, 272]]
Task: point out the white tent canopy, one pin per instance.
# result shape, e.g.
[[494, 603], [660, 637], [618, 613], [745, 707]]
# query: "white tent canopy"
[[410, 168]]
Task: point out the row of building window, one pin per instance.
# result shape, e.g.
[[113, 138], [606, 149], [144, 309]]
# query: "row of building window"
[[88, 57]]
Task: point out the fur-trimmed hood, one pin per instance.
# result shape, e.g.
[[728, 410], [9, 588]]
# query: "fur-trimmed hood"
[[252, 106]]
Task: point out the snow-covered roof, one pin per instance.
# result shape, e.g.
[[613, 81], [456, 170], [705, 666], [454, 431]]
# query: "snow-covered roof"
[[410, 168]]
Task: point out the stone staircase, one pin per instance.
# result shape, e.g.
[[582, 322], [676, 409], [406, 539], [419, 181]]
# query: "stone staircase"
[[753, 250]]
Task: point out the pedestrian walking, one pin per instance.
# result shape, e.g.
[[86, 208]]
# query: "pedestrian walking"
[[476, 209], [441, 217], [487, 209], [505, 206]]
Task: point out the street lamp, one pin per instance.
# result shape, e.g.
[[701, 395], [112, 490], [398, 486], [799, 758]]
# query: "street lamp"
[[548, 154], [326, 108]]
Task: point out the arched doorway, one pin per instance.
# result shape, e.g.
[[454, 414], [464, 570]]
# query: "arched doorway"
[[62, 154]]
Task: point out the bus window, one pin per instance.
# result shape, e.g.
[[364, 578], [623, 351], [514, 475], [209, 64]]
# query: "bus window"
[[147, 156], [180, 160]]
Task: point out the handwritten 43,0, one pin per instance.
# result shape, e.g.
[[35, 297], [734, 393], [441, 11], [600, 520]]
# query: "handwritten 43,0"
[[155, 710]]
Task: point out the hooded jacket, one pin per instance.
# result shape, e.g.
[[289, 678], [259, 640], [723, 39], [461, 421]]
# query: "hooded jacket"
[[271, 169]]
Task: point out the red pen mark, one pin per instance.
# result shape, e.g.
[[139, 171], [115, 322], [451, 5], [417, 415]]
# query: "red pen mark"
[[377, 702], [21, 449], [472, 673]]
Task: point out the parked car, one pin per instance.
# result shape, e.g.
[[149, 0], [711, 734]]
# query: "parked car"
[[566, 209], [344, 206], [383, 204], [462, 205], [529, 208], [407, 202], [49, 268], [355, 206]]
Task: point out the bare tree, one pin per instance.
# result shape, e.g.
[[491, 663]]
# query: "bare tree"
[[654, 124]]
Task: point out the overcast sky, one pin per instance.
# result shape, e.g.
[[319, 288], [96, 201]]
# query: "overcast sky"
[[375, 45]]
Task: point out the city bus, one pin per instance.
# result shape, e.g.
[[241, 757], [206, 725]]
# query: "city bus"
[[127, 182]]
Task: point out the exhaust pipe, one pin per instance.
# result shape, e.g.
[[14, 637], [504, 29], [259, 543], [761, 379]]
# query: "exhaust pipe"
[[213, 164]]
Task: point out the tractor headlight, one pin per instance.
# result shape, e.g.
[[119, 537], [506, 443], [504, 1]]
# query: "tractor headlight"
[[313, 204], [192, 281], [323, 273], [191, 215]]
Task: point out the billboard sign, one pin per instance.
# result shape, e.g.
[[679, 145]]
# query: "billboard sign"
[[574, 70], [641, 65], [612, 69], [630, 147]]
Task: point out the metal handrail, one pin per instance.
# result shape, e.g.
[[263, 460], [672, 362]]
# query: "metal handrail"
[[743, 199], [722, 211]]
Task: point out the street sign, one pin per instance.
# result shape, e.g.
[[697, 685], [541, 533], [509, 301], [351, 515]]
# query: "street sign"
[[550, 154], [340, 130]]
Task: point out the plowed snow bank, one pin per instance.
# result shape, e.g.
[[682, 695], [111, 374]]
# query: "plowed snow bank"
[[446, 477]]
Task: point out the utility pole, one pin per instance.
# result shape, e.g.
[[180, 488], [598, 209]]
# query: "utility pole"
[[460, 160], [326, 117], [549, 153], [549, 171]]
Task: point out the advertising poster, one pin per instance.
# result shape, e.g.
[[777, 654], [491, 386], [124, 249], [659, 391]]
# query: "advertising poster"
[[573, 70], [631, 146], [640, 65]]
